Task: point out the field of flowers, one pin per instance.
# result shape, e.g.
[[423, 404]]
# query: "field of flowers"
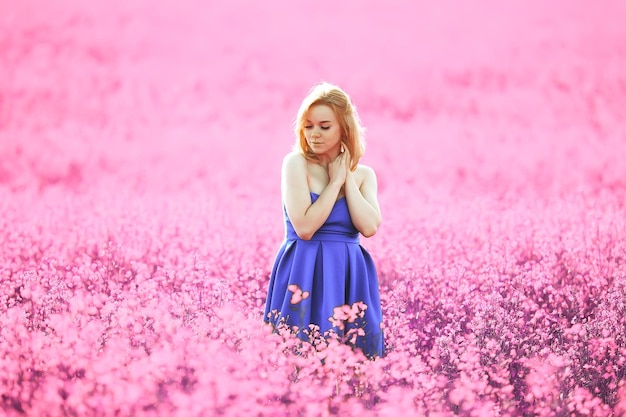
[[140, 152]]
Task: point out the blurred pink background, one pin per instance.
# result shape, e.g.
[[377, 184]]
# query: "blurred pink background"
[[473, 97]]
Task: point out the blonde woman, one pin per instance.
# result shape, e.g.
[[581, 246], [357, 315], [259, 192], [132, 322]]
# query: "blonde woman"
[[322, 275]]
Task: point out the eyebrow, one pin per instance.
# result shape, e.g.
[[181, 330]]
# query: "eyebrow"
[[323, 121]]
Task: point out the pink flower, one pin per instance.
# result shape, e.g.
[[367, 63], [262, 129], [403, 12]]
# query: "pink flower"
[[298, 295]]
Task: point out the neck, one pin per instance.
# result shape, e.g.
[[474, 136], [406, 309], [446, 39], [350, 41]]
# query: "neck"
[[326, 158]]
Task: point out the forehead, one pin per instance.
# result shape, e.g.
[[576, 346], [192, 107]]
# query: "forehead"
[[321, 112]]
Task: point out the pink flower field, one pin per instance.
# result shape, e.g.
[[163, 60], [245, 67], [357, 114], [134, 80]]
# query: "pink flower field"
[[140, 212]]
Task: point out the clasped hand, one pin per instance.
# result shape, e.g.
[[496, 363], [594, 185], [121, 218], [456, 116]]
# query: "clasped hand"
[[339, 168]]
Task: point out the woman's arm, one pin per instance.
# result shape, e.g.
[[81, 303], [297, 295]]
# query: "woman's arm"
[[363, 202], [307, 217]]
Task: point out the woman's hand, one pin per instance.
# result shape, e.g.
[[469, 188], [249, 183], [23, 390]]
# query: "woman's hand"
[[338, 168], [346, 152]]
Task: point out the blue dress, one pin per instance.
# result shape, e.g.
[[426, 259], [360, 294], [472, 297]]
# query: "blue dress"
[[329, 281]]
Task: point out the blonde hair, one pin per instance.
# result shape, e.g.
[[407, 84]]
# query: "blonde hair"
[[352, 132]]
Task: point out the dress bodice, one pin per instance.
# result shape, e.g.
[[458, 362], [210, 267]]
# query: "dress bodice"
[[337, 227]]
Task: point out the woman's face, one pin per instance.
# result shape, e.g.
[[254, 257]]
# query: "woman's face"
[[322, 130]]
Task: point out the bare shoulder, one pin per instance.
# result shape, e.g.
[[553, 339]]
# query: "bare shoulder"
[[294, 160], [365, 173], [365, 169]]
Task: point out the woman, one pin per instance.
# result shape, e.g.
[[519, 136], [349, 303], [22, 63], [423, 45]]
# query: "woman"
[[322, 275]]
